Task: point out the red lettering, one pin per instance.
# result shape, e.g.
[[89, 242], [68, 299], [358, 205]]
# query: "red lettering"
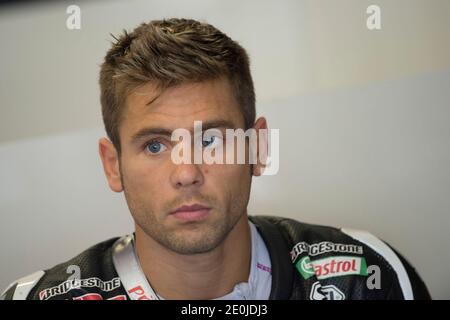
[[89, 296], [136, 290], [333, 263], [318, 270], [333, 266], [326, 268], [346, 266], [139, 292]]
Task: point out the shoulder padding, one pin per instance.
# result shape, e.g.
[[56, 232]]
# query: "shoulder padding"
[[23, 286], [388, 254]]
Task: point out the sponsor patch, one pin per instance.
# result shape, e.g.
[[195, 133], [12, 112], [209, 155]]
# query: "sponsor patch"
[[331, 267], [319, 248], [328, 292], [68, 285]]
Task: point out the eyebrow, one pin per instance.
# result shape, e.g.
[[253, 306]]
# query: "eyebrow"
[[150, 131]]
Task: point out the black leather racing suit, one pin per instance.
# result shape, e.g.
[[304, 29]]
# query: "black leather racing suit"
[[307, 261]]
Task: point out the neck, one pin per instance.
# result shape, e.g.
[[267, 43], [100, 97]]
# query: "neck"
[[200, 276]]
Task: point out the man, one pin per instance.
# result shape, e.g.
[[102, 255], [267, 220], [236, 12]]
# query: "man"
[[193, 237]]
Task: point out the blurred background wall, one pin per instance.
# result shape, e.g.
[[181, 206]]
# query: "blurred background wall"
[[363, 118]]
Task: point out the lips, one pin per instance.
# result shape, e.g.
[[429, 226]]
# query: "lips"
[[195, 212]]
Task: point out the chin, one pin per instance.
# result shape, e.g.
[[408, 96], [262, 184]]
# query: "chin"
[[200, 242]]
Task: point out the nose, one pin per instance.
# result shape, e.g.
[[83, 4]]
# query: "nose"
[[187, 175]]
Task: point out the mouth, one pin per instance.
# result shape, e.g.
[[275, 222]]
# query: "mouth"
[[195, 212]]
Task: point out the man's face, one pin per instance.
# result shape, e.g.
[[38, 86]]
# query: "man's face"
[[155, 186]]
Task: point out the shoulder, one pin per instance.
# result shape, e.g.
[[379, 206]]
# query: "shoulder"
[[355, 259], [93, 264]]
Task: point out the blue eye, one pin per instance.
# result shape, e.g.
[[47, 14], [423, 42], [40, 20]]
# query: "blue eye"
[[206, 143], [155, 147]]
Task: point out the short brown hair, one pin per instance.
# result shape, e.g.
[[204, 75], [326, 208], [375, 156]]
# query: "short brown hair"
[[167, 53]]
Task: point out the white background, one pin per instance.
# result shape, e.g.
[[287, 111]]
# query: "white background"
[[363, 118]]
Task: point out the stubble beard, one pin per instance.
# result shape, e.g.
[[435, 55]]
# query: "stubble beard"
[[191, 238]]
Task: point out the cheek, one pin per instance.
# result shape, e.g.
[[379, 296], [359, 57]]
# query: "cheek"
[[144, 179], [229, 178]]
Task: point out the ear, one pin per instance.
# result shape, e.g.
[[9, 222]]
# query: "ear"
[[262, 146], [110, 160]]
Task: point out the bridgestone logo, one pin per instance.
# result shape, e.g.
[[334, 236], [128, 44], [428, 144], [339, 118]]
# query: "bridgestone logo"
[[68, 285], [331, 267], [319, 248]]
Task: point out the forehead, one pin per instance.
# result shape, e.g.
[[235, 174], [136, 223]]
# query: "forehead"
[[179, 106]]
